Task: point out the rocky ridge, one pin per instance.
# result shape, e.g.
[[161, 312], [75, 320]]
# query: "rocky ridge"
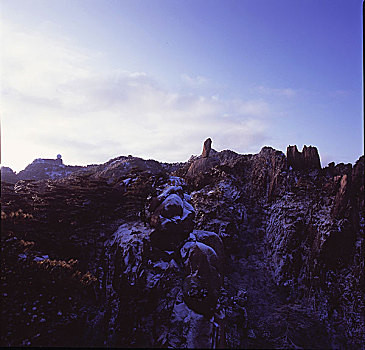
[[225, 250]]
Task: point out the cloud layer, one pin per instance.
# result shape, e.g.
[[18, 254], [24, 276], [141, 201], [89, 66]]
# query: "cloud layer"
[[58, 98]]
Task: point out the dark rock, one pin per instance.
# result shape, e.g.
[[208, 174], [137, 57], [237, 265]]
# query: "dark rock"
[[201, 286], [292, 239], [206, 148], [169, 236], [212, 240], [311, 158], [268, 174], [307, 159], [294, 157], [172, 206], [341, 202], [173, 219]]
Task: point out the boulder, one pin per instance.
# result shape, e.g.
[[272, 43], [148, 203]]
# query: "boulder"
[[189, 329], [212, 240], [169, 235], [173, 218], [195, 254], [172, 206], [199, 295], [201, 286]]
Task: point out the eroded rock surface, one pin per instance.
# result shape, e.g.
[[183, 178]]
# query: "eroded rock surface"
[[223, 251]]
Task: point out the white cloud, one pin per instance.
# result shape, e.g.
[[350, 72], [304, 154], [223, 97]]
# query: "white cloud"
[[57, 99]]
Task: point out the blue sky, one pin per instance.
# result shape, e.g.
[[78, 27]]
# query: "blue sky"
[[94, 79]]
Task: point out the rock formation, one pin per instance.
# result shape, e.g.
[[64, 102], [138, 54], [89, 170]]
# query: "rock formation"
[[206, 148], [204, 163], [172, 218], [223, 251], [307, 159]]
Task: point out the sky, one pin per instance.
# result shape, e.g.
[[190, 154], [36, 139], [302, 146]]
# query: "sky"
[[95, 79]]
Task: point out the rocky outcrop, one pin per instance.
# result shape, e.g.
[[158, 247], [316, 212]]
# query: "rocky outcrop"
[[181, 287], [255, 251], [206, 148], [349, 187], [204, 163], [268, 174], [307, 159]]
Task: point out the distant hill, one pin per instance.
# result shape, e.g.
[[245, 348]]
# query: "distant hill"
[[40, 169]]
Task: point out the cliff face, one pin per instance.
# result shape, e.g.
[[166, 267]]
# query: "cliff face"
[[226, 250]]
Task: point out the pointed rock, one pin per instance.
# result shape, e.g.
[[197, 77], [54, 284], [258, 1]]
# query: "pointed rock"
[[207, 147]]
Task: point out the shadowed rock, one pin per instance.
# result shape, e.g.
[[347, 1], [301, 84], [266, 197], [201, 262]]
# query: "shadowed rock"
[[206, 148], [204, 163], [307, 159]]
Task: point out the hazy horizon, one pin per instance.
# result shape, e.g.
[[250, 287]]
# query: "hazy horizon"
[[93, 80]]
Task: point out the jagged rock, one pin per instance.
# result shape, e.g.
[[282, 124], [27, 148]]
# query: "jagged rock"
[[294, 157], [311, 158], [204, 163], [347, 197], [206, 148], [287, 237], [119, 167], [268, 174], [307, 159]]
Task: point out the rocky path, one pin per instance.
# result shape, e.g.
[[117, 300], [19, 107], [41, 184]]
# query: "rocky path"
[[273, 322]]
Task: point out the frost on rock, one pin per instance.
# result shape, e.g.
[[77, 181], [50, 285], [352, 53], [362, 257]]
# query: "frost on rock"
[[172, 217], [170, 190], [189, 329]]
